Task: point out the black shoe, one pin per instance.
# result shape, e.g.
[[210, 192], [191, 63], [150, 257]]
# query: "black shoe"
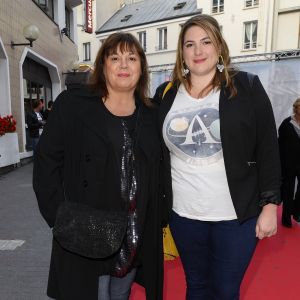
[[286, 222], [296, 218]]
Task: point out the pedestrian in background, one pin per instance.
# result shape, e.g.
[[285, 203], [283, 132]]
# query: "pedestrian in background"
[[289, 145], [101, 148], [35, 122], [221, 162]]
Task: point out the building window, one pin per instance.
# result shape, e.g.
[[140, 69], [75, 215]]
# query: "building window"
[[250, 35], [162, 39], [46, 6], [217, 6], [142, 39], [251, 3], [87, 51]]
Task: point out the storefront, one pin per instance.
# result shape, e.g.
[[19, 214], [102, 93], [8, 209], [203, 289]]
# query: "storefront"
[[34, 69], [37, 85]]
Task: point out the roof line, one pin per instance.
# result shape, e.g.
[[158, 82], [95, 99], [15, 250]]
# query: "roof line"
[[151, 22]]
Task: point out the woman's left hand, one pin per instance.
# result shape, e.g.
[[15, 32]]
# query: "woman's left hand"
[[266, 225]]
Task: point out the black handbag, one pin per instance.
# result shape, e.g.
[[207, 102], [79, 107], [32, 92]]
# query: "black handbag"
[[89, 232]]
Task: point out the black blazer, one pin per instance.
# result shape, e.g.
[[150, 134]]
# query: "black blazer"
[[74, 157], [33, 124], [249, 142], [289, 145]]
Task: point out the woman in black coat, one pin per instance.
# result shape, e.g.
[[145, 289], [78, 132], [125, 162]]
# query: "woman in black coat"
[[35, 122], [100, 148], [289, 145]]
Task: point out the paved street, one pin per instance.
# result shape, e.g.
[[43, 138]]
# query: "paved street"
[[23, 271]]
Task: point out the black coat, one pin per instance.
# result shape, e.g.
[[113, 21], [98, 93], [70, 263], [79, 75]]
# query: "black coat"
[[33, 124], [289, 145], [74, 153], [249, 142]]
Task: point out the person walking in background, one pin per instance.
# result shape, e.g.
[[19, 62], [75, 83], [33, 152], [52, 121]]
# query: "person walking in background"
[[221, 162], [289, 145], [101, 149], [35, 123]]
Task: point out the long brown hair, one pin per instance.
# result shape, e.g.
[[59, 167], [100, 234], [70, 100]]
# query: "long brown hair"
[[124, 42], [212, 28]]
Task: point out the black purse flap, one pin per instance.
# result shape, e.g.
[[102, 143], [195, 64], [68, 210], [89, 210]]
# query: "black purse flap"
[[89, 232]]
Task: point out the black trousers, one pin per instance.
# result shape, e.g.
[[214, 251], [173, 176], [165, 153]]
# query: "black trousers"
[[291, 204]]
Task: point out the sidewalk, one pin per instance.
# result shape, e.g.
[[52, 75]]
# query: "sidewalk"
[[23, 271]]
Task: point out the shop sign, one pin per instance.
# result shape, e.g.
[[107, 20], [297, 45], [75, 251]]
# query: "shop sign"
[[89, 16]]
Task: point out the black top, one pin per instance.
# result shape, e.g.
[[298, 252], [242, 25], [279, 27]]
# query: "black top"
[[115, 138], [34, 124], [289, 145], [122, 135]]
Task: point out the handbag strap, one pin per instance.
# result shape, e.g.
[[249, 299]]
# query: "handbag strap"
[[168, 86]]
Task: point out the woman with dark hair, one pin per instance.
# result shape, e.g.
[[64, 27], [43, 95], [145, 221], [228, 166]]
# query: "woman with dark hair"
[[289, 146], [100, 155], [35, 122], [222, 169]]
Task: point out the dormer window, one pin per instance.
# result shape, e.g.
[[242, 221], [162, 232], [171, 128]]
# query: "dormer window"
[[126, 18], [179, 5]]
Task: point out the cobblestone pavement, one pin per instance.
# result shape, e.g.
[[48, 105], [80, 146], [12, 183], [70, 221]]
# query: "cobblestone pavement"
[[23, 271]]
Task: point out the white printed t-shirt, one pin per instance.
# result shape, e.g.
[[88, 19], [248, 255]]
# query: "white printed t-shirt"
[[40, 119], [191, 131]]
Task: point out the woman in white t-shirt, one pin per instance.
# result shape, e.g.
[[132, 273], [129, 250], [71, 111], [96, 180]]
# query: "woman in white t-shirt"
[[221, 162]]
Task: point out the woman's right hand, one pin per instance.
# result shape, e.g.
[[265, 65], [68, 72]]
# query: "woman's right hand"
[[266, 225]]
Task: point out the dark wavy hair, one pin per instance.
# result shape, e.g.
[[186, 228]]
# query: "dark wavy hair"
[[212, 28], [124, 42]]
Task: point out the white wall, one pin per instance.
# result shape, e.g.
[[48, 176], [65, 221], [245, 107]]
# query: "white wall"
[[106, 9], [233, 18], [5, 100], [284, 4], [288, 23], [84, 37], [154, 56]]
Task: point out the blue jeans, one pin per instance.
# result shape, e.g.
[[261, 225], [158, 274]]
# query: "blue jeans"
[[215, 255], [34, 143], [115, 288]]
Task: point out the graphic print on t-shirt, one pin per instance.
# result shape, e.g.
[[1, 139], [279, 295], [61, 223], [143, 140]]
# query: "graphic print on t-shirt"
[[194, 133]]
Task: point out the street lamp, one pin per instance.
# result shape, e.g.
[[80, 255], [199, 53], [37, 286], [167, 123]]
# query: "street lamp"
[[73, 66], [31, 33]]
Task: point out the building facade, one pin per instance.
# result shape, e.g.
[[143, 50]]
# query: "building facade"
[[101, 11], [250, 27], [28, 73]]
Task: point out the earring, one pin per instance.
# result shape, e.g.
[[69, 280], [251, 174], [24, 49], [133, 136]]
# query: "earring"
[[184, 70], [220, 64]]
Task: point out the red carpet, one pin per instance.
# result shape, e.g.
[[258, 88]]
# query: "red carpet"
[[273, 274]]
